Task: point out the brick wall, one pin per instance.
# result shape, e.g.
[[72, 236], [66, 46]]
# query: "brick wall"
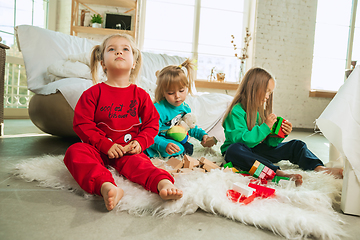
[[283, 44]]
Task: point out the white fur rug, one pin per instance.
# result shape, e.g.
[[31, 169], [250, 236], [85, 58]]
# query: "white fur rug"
[[295, 212]]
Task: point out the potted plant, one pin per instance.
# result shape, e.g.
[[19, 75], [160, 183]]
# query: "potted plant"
[[96, 20]]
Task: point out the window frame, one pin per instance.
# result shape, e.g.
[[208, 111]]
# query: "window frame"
[[330, 93], [248, 22]]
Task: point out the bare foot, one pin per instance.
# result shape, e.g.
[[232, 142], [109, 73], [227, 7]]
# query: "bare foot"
[[168, 191], [295, 177], [336, 172], [111, 194]]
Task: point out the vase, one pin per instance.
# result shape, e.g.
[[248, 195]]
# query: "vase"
[[96, 25]]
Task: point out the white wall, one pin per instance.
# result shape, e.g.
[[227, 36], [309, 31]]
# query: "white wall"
[[283, 44], [283, 38]]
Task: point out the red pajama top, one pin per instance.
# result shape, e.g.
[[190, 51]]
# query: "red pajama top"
[[105, 115]]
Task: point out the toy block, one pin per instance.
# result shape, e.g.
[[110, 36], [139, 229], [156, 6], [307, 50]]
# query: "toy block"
[[162, 166], [228, 170], [156, 161], [262, 191], [254, 167], [184, 170], [190, 162], [175, 174], [236, 197], [243, 189], [276, 179], [228, 165], [276, 130], [171, 171], [208, 165], [175, 163], [210, 142], [266, 173], [259, 170], [199, 170]]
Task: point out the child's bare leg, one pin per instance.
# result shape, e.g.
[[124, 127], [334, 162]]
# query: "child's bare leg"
[[295, 177], [111, 194], [336, 172], [168, 191]]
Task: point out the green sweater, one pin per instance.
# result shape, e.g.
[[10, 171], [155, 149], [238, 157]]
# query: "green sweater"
[[236, 130]]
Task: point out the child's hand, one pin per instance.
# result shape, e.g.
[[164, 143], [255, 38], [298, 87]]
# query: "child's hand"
[[208, 141], [135, 147], [116, 151], [172, 148], [270, 120], [286, 127]]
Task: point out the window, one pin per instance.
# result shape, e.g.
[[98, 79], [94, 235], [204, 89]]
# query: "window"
[[333, 41], [197, 29], [18, 12], [13, 13]]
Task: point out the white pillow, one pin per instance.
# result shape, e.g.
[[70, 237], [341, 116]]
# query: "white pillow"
[[41, 48]]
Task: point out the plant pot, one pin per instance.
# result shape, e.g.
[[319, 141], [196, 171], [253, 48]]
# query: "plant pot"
[[96, 25]]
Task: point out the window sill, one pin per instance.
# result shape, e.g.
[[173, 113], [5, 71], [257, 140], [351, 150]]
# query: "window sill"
[[200, 83], [322, 93]]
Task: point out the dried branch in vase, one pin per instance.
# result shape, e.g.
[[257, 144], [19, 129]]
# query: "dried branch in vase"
[[243, 54]]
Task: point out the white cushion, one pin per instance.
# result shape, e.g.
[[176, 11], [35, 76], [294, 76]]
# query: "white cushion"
[[41, 47]]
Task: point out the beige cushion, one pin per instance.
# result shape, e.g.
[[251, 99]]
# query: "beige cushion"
[[52, 114]]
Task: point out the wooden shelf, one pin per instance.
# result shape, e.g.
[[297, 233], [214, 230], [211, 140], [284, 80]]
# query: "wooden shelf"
[[76, 27], [322, 93], [103, 31], [113, 3], [200, 83]]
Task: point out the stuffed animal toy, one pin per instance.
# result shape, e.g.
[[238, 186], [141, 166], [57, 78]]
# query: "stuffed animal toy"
[[180, 132]]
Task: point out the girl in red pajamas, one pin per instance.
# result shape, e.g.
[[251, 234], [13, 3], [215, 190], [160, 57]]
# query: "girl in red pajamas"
[[116, 121]]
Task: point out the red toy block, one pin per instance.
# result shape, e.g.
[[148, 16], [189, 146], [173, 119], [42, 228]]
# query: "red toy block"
[[236, 197], [262, 191]]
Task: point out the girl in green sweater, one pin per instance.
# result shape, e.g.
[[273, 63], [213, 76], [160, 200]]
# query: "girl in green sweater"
[[247, 126]]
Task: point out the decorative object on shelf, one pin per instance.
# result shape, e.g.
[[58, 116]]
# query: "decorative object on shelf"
[[96, 21], [82, 18], [212, 75], [220, 76], [243, 54]]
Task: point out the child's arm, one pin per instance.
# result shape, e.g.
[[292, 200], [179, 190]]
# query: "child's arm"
[[274, 141], [236, 129], [149, 119]]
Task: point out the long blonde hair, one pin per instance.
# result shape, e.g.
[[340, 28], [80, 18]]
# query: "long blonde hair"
[[97, 55], [173, 75], [250, 93]]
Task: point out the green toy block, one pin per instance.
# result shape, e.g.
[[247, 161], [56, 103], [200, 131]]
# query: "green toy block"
[[277, 125], [276, 179], [228, 165], [259, 170], [244, 172]]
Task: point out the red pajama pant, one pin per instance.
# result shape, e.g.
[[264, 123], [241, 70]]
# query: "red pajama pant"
[[88, 167]]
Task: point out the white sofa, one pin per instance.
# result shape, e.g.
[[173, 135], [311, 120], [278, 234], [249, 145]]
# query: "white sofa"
[[57, 72]]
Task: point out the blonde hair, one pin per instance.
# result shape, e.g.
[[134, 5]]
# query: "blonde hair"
[[250, 93], [173, 75], [97, 55]]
